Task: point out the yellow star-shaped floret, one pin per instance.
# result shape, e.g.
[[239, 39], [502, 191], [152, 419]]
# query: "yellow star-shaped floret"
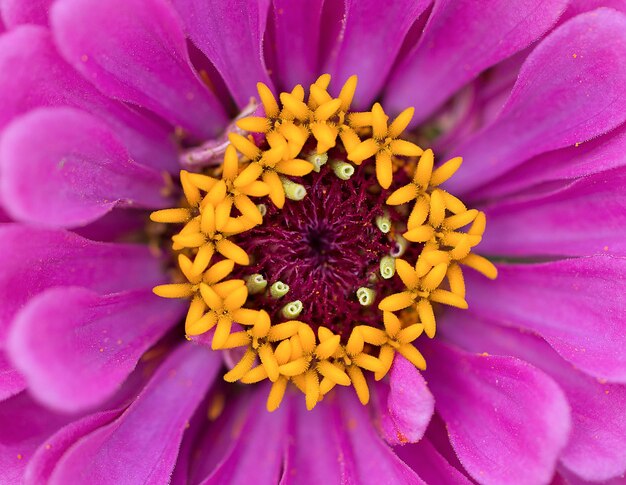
[[384, 143]]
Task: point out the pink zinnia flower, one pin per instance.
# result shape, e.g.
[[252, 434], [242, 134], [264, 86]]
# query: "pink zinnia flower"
[[306, 239]]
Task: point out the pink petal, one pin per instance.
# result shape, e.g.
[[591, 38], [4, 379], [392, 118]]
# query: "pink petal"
[[508, 421], [429, 464], [570, 89], [11, 381], [257, 455], [55, 83], [371, 459], [577, 305], [34, 259], [587, 217], [461, 39], [231, 35], [577, 7], [296, 30], [16, 12], [62, 167], [342, 445], [603, 153], [595, 449], [565, 477], [4, 217], [76, 348], [323, 459], [406, 404], [437, 434], [142, 444], [25, 425], [114, 225], [42, 464], [135, 51], [189, 451], [218, 436], [369, 42]]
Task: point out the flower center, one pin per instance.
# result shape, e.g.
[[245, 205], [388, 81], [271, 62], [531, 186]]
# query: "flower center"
[[322, 246]]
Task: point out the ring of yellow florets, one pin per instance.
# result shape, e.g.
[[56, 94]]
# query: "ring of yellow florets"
[[290, 350]]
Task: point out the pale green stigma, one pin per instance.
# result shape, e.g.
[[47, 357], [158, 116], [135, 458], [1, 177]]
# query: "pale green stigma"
[[318, 160], [342, 170], [256, 283], [262, 209], [383, 223], [365, 296], [387, 267], [279, 289], [292, 310], [293, 191]]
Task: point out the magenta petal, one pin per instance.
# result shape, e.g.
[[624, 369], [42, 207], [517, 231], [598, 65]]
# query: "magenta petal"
[[62, 167], [231, 35], [595, 450], [569, 90], [34, 259], [508, 421], [342, 445], [461, 39], [42, 464], [371, 459], [587, 217], [4, 217], [142, 444], [135, 51], [577, 7], [219, 435], [55, 83], [409, 405], [317, 462], [369, 42], [24, 425], [11, 381], [189, 450], [429, 464], [577, 305], [258, 453], [297, 37], [114, 225], [75, 348], [603, 153], [565, 477], [16, 12]]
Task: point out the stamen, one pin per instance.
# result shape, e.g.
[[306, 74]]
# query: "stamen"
[[256, 283], [387, 267], [425, 236], [279, 289], [293, 191], [318, 160], [292, 310], [383, 223], [342, 170], [365, 296]]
